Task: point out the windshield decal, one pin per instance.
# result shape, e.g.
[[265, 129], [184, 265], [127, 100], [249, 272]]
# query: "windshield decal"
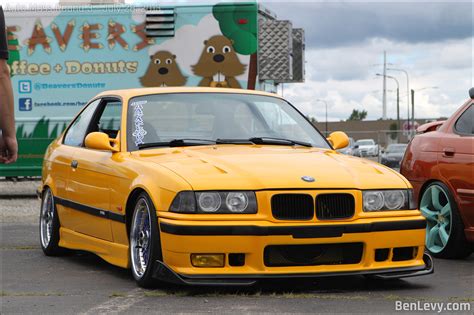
[[139, 132]]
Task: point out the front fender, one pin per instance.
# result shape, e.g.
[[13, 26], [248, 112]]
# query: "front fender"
[[160, 183]]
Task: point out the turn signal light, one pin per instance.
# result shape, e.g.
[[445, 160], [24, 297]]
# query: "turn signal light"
[[208, 260]]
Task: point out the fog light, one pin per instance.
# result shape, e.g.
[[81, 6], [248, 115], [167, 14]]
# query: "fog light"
[[208, 260]]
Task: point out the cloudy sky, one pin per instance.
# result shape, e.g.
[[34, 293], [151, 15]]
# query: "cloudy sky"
[[345, 41]]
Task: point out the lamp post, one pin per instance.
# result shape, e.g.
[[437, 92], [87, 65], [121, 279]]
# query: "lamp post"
[[413, 101], [408, 94], [326, 104], [398, 100]]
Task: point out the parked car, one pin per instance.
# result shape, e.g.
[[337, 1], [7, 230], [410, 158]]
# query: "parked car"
[[366, 147], [440, 165], [349, 149], [393, 155], [211, 186]]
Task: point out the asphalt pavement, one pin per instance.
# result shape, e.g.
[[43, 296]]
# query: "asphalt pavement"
[[83, 283]]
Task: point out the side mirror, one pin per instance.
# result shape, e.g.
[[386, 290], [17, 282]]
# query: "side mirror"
[[471, 93], [338, 140], [100, 141]]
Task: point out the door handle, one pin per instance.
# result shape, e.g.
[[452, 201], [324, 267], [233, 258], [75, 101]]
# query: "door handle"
[[74, 164], [448, 152]]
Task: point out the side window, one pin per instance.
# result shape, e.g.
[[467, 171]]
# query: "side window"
[[77, 131], [109, 121], [465, 123]]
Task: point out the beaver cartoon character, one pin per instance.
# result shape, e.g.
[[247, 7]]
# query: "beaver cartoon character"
[[163, 71], [219, 64]]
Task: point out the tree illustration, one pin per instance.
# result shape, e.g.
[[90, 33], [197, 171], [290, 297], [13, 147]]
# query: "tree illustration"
[[14, 55], [239, 24]]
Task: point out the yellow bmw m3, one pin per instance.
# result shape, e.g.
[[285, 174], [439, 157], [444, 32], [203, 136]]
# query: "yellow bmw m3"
[[222, 187]]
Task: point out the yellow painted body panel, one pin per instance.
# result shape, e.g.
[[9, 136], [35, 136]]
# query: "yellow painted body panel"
[[105, 180]]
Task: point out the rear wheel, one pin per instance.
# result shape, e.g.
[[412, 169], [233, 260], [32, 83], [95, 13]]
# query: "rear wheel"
[[49, 225], [444, 230], [145, 247]]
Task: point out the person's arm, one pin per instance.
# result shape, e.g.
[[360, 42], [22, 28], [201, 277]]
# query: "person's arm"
[[8, 143]]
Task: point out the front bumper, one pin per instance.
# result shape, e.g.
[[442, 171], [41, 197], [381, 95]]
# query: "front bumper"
[[180, 239], [164, 273]]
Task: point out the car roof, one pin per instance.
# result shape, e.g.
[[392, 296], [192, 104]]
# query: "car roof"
[[128, 93]]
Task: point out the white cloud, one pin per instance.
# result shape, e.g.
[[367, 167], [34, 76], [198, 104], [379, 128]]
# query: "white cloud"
[[345, 77]]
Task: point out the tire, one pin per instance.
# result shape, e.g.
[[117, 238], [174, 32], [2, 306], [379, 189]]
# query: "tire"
[[445, 236], [49, 225], [145, 244]]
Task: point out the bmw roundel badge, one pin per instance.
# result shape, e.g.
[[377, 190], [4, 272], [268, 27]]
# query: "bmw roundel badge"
[[308, 179]]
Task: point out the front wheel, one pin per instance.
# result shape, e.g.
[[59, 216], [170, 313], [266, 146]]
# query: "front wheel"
[[49, 225], [444, 229], [145, 247]]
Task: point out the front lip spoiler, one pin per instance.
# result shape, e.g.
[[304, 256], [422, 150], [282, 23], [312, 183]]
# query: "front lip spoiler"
[[163, 273]]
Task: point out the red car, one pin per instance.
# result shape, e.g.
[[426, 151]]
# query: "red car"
[[439, 163]]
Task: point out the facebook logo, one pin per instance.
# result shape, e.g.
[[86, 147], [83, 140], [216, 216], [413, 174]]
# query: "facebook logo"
[[24, 86], [26, 104]]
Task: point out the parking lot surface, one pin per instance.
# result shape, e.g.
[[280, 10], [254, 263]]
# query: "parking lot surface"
[[83, 283]]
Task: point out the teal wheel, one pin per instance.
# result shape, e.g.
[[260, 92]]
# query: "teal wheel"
[[444, 227]]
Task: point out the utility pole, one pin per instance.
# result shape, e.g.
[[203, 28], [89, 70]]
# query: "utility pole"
[[413, 108], [398, 112], [408, 97], [384, 89], [413, 103], [398, 101]]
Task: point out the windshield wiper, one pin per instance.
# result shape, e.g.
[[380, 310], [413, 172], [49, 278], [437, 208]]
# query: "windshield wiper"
[[233, 141], [264, 140], [278, 141], [176, 143]]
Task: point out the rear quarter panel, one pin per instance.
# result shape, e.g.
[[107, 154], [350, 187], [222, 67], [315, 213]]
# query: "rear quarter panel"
[[420, 163]]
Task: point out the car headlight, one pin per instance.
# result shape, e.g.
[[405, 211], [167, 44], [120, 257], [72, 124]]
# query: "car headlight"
[[209, 201], [237, 202], [381, 200], [219, 202]]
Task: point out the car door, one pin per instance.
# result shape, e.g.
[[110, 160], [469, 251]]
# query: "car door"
[[456, 160], [92, 174], [62, 158]]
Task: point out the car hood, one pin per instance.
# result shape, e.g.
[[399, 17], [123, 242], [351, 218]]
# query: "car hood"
[[256, 167]]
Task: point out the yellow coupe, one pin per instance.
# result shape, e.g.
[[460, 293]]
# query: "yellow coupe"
[[222, 187]]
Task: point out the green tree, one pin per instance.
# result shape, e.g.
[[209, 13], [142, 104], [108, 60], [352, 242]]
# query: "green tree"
[[393, 131], [358, 115], [312, 120]]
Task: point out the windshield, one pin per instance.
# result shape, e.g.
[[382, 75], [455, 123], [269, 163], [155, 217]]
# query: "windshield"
[[162, 118], [365, 142], [396, 148]]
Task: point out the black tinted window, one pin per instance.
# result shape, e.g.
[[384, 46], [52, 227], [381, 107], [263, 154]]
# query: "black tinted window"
[[77, 131], [465, 123]]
